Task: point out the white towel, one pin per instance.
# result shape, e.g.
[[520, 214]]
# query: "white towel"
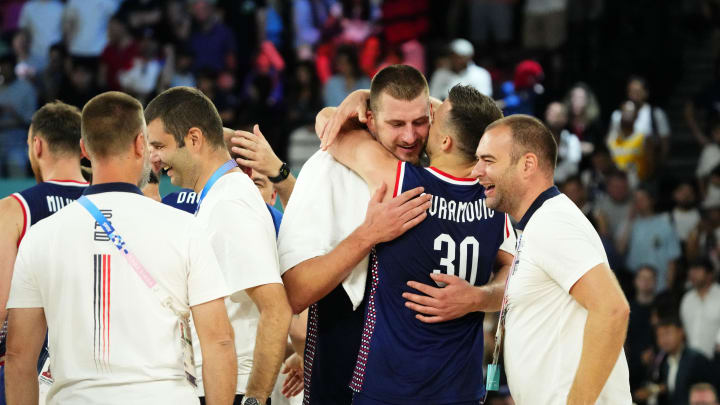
[[328, 203]]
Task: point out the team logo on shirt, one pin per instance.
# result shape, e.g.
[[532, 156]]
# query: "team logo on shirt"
[[101, 312], [100, 233]]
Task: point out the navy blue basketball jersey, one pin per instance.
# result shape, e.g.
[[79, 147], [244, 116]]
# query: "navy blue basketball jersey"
[[44, 199], [184, 199], [187, 200], [401, 359], [39, 202]]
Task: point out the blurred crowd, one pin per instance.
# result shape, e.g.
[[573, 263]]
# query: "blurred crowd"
[[586, 67]]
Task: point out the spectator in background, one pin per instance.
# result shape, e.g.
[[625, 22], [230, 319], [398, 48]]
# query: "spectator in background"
[[649, 238], [545, 24], [85, 26], [176, 71], [248, 19], [141, 79], [10, 12], [703, 394], [309, 17], [519, 95], [43, 20], [709, 157], [640, 339], [211, 41], [702, 242], [52, 78], [27, 66], [595, 177], [615, 204], [348, 77], [80, 87], [569, 148], [143, 16], [650, 121], [220, 89], [700, 308], [631, 150], [460, 70], [175, 26], [491, 20], [681, 367], [18, 101], [303, 104], [118, 55], [685, 216], [584, 114], [708, 102]]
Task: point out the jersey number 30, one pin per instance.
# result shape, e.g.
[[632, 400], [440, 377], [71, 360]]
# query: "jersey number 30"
[[449, 260]]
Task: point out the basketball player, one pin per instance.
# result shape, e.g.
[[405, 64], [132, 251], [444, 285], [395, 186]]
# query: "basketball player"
[[115, 293], [186, 139], [402, 360], [54, 154], [329, 229]]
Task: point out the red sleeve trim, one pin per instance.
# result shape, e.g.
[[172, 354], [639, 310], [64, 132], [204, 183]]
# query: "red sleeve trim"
[[22, 207], [507, 227], [397, 178]]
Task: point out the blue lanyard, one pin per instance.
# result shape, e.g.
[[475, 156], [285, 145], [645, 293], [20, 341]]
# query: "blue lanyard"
[[118, 242], [226, 167]]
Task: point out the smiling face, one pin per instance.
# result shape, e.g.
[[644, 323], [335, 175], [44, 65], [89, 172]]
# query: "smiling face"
[[165, 154], [402, 126], [496, 170]]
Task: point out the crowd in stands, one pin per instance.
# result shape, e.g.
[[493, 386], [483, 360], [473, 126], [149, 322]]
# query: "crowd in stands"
[[597, 72]]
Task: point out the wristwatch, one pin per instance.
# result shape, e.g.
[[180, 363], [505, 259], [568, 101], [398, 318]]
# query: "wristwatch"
[[282, 175], [250, 401]]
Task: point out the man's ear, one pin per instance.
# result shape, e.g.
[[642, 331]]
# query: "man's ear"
[[194, 139], [83, 150], [38, 146], [371, 124], [447, 143], [530, 163], [140, 144]]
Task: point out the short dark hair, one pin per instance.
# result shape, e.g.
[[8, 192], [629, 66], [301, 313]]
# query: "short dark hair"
[[673, 320], [110, 123], [529, 134], [402, 82], [470, 113], [648, 267], [704, 263], [181, 108], [58, 124]]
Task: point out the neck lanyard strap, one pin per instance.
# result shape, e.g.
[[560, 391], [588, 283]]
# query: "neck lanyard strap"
[[226, 167], [132, 260]]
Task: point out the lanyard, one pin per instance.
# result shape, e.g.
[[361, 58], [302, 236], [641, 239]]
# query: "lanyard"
[[226, 167], [493, 371], [132, 260]]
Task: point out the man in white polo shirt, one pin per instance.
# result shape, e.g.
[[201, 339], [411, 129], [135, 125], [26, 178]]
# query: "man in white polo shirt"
[[186, 138], [564, 314], [113, 306]]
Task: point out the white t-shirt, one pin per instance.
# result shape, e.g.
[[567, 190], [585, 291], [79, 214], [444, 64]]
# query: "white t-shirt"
[[111, 341], [328, 202], [544, 324], [444, 79], [643, 122], [701, 319], [91, 18], [709, 159], [44, 21], [242, 235]]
